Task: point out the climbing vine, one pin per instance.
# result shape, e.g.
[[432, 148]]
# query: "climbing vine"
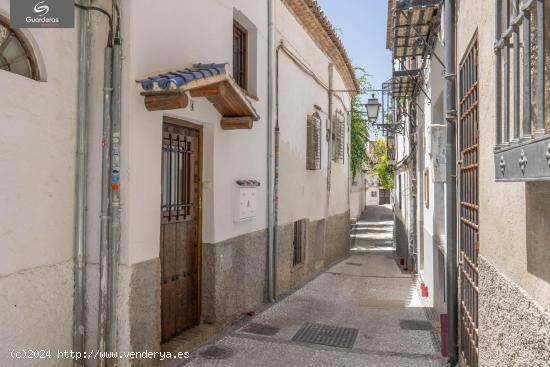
[[359, 131]]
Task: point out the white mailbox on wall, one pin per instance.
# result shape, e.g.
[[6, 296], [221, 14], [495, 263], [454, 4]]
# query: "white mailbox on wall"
[[247, 199]]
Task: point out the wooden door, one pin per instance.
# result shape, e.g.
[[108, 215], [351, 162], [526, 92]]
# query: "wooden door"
[[180, 227], [469, 207]]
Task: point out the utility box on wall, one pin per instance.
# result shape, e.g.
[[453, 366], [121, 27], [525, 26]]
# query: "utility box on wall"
[[247, 199], [437, 140]]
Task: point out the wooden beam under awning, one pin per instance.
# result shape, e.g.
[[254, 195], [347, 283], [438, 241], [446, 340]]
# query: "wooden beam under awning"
[[221, 90]]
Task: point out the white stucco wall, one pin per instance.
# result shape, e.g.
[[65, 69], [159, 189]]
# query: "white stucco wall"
[[37, 155], [227, 155], [302, 192], [372, 186], [358, 195]]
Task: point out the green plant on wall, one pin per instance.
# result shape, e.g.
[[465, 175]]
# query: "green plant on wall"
[[359, 131], [380, 165]]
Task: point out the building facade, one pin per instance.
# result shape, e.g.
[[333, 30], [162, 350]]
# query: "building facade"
[[200, 120], [480, 67]]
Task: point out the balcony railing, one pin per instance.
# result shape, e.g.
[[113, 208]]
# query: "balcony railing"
[[522, 152]]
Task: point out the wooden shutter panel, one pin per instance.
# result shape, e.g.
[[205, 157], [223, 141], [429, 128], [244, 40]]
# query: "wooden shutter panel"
[[313, 145], [338, 136]]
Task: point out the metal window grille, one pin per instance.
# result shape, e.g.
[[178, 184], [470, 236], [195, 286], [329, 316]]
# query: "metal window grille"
[[313, 146], [177, 174], [469, 206], [240, 55], [522, 51], [520, 48], [338, 137], [299, 242]]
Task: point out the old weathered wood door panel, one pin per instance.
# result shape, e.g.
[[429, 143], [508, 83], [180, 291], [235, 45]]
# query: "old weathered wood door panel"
[[180, 228]]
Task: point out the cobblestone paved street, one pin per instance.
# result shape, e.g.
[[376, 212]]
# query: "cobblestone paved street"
[[366, 292]]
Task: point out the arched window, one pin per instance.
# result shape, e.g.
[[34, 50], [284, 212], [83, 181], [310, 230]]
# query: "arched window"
[[16, 53]]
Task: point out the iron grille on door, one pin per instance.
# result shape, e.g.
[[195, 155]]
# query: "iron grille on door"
[[177, 188], [469, 207], [313, 146], [299, 242]]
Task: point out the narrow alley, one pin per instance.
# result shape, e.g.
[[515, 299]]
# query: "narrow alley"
[[363, 311], [258, 183]]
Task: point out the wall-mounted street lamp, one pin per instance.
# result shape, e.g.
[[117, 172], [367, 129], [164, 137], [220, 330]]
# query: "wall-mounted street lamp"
[[373, 107]]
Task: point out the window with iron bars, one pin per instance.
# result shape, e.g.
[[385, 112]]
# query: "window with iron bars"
[[522, 51], [313, 144], [177, 172], [299, 242], [240, 55], [338, 137]]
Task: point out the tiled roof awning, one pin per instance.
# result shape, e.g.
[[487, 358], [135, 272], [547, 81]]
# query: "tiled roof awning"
[[404, 83], [169, 91], [413, 26]]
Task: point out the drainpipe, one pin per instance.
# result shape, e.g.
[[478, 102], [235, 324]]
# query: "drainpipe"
[[270, 188], [79, 322], [105, 190], [115, 194], [413, 195], [329, 155], [451, 224]]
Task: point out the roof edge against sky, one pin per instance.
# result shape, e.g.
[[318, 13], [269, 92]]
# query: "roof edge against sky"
[[310, 15], [389, 26]]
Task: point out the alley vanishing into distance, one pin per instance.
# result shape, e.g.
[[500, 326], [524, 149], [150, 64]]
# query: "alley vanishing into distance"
[[363, 311]]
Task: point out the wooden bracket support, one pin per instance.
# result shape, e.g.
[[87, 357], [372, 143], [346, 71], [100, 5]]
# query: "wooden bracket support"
[[234, 123], [158, 102]]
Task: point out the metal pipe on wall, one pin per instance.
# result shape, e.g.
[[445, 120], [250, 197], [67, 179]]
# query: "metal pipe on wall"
[[105, 192], [329, 153], [115, 195], [79, 321], [451, 205], [270, 185], [412, 192]]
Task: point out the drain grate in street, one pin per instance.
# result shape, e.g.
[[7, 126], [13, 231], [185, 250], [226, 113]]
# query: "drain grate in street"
[[415, 325], [332, 336], [354, 264], [216, 352], [261, 329]]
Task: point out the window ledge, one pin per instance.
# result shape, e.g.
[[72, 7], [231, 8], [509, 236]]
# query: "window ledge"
[[527, 160]]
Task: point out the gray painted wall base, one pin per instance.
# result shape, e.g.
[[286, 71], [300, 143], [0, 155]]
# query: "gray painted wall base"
[[317, 257], [233, 277], [144, 307]]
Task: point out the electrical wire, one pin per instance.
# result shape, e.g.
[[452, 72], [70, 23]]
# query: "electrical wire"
[[104, 12]]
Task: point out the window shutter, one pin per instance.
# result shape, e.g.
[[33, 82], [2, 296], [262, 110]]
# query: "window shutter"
[[339, 137], [313, 145]]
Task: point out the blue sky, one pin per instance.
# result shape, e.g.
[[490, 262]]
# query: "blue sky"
[[361, 25]]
